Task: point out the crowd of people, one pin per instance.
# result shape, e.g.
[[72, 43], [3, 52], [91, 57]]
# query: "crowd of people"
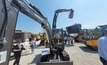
[[19, 47], [102, 47], [68, 39]]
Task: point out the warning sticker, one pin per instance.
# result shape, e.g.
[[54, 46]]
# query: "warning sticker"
[[3, 56]]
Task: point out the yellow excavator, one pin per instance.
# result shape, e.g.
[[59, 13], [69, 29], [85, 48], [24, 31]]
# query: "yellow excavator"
[[95, 34]]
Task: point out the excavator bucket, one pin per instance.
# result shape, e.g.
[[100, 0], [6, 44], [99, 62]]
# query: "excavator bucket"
[[71, 15]]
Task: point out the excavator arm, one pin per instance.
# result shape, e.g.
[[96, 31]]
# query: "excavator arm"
[[33, 12], [9, 10], [60, 11]]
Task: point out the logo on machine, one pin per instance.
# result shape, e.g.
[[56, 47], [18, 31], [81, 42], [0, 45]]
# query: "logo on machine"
[[3, 55]]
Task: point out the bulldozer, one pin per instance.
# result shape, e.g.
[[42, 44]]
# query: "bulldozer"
[[92, 39], [9, 10]]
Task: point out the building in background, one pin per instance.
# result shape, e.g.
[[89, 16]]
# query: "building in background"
[[18, 35]]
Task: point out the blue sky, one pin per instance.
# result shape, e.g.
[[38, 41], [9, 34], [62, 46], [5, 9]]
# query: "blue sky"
[[89, 13]]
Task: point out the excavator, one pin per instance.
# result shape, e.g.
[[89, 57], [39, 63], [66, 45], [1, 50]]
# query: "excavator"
[[9, 10], [54, 30]]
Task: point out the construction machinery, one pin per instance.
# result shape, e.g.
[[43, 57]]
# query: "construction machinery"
[[57, 51], [9, 10], [75, 29], [82, 36], [94, 35]]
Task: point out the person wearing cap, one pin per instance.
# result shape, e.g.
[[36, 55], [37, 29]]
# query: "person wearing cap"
[[17, 49], [102, 48]]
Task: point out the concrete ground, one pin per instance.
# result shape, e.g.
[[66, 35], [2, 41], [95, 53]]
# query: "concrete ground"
[[79, 53]]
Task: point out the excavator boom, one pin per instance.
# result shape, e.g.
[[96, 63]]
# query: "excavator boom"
[[9, 10], [56, 15]]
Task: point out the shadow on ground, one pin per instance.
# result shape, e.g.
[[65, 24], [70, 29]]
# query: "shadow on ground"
[[88, 49], [25, 54], [36, 59], [67, 45]]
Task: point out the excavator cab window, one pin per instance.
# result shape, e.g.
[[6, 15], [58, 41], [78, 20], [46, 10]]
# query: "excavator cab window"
[[58, 36]]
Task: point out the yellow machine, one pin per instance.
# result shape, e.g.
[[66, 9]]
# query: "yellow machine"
[[45, 41], [38, 37], [96, 34], [79, 38], [93, 42]]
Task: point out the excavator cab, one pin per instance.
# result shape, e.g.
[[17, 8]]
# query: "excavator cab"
[[58, 38]]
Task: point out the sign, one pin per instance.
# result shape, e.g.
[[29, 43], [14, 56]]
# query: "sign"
[[45, 51], [3, 56]]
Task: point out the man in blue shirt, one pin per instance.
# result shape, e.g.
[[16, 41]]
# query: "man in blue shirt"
[[102, 48]]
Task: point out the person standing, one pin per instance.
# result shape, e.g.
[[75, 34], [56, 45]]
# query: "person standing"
[[17, 49], [32, 45], [65, 39], [70, 40], [102, 48]]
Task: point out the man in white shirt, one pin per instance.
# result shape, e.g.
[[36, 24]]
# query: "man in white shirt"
[[102, 48]]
